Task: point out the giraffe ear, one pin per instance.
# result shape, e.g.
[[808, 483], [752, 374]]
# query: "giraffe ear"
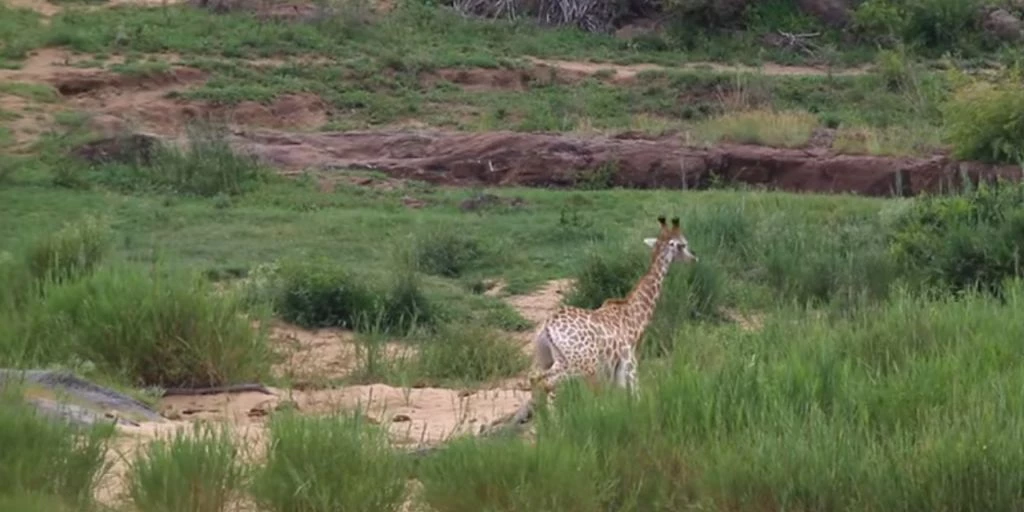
[[651, 241]]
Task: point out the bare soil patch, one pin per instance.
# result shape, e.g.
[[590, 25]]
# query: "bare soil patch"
[[557, 160], [413, 416], [149, 103], [542, 303], [317, 356], [146, 102]]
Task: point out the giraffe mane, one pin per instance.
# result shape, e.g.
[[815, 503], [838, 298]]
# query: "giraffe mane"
[[616, 301]]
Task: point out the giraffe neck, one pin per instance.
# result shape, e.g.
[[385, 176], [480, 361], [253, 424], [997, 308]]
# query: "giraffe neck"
[[642, 300]]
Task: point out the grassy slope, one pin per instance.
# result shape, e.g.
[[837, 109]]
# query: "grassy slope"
[[377, 66]]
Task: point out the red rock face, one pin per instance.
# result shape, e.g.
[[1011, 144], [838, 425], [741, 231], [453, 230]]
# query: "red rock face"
[[554, 160]]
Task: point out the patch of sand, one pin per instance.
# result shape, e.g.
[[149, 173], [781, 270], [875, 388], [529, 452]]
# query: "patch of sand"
[[316, 356], [539, 305], [413, 417]]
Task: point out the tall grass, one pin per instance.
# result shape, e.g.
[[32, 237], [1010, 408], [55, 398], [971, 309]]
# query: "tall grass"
[[207, 166], [159, 326], [191, 472], [329, 463], [506, 475], [471, 352], [907, 405], [75, 249], [763, 127], [71, 252], [45, 462]]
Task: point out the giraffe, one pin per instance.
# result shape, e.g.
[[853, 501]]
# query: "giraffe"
[[602, 342]]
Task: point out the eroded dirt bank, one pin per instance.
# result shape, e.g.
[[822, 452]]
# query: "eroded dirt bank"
[[565, 160]]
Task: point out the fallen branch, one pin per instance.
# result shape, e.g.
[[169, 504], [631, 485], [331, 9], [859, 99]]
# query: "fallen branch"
[[213, 390]]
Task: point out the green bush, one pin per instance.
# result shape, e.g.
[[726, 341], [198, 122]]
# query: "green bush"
[[158, 327], [985, 121], [42, 457], [406, 306], [471, 352], [320, 293], [880, 19], [942, 25], [329, 463], [446, 253], [197, 472], [963, 241], [317, 293]]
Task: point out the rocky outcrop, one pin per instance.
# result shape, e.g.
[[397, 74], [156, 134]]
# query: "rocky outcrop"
[[562, 160]]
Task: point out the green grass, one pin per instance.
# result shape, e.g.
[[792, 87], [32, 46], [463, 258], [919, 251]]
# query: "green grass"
[[157, 326], [191, 472], [45, 463], [384, 74], [206, 167], [37, 92], [149, 327], [336, 462], [470, 353], [906, 406]]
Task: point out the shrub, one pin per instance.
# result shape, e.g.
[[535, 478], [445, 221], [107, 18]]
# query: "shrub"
[[939, 25], [44, 457], [962, 241], [446, 253], [329, 463], [880, 20], [319, 293], [406, 306], [160, 327], [985, 121], [470, 352], [188, 473]]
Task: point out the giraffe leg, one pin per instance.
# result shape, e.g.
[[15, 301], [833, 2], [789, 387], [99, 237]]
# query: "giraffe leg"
[[543, 380], [626, 373]]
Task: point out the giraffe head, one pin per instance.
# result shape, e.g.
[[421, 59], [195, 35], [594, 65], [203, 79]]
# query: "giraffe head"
[[672, 242]]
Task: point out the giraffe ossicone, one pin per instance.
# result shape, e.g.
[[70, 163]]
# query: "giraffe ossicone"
[[602, 342]]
